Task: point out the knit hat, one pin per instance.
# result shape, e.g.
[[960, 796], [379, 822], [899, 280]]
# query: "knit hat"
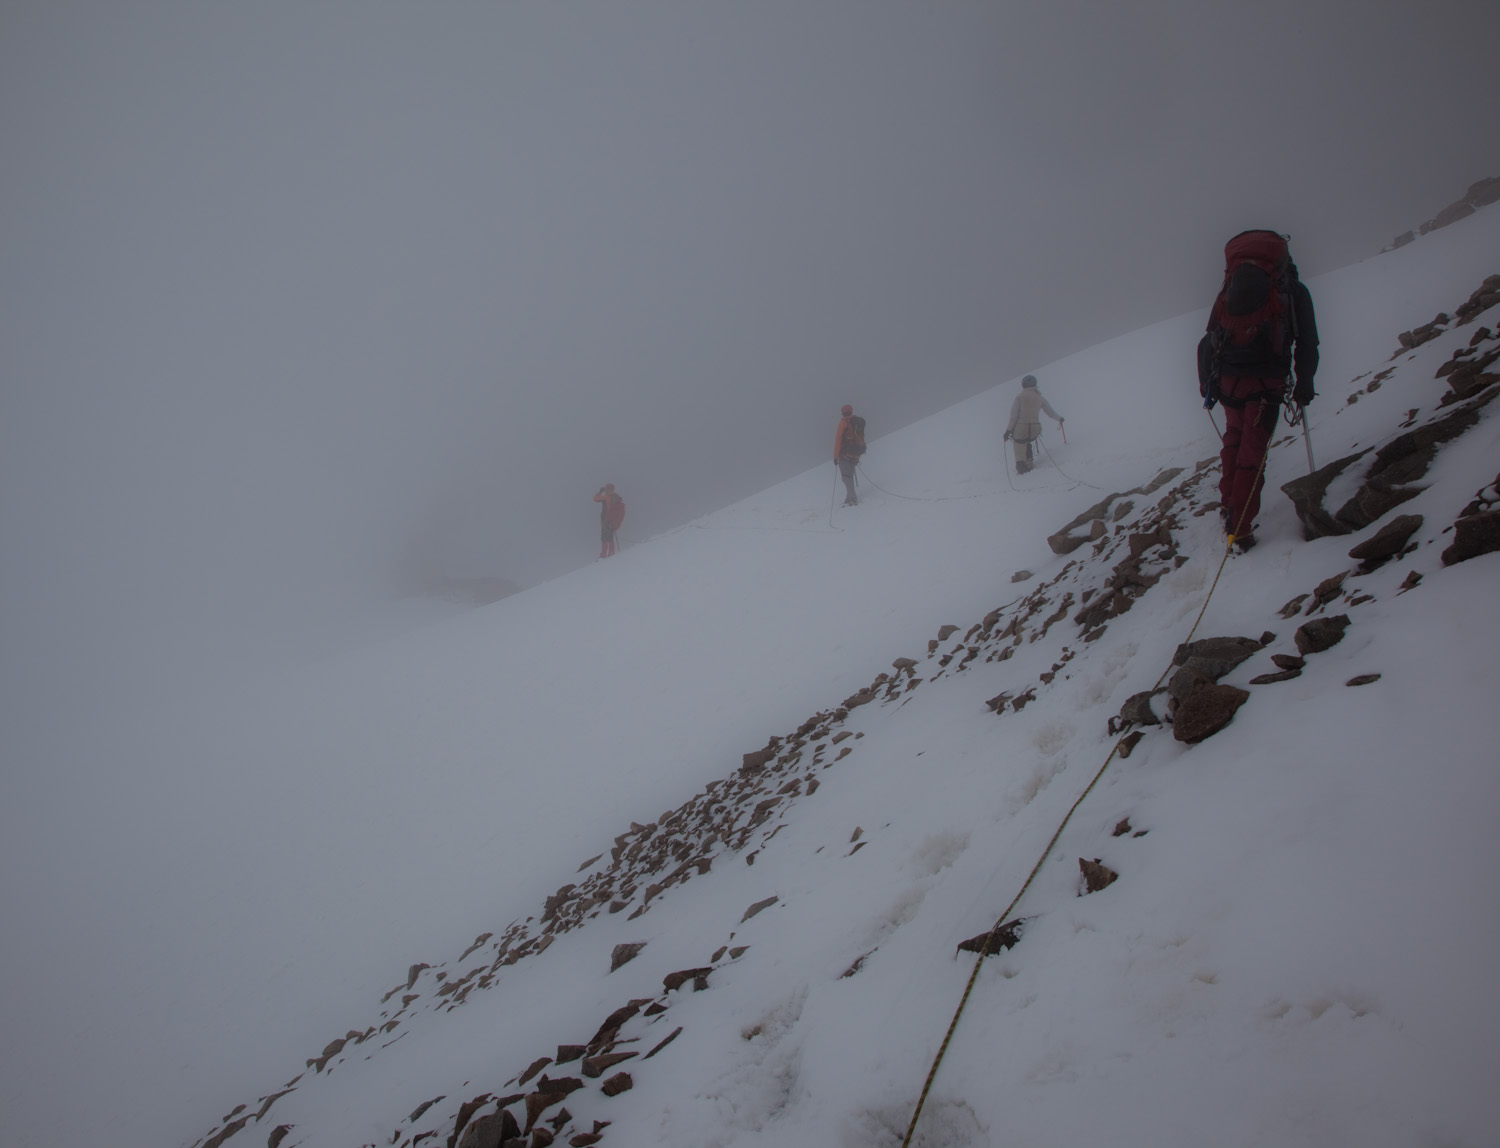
[[846, 409], [1029, 381]]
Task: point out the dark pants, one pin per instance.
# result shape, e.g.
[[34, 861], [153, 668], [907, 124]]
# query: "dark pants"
[[846, 470], [1248, 425]]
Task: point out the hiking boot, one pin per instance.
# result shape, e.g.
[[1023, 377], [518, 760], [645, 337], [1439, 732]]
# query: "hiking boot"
[[1244, 542], [1022, 467]]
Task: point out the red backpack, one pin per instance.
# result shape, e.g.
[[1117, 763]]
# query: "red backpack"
[[1251, 327]]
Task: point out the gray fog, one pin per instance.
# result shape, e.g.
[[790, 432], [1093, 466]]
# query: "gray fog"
[[307, 305]]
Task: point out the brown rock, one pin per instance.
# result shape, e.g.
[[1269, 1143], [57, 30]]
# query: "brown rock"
[[541, 1137], [611, 1026], [535, 1067], [466, 1110], [668, 1039], [616, 1084], [1096, 875], [1230, 650], [754, 763], [596, 1066], [676, 980], [1327, 590], [1321, 634], [1451, 214], [1473, 535], [1386, 543], [1288, 661], [423, 1107], [1137, 710], [226, 1132], [1307, 493], [1183, 684], [757, 907], [278, 1134], [1206, 712], [567, 1053], [491, 1131], [624, 954], [1272, 679], [1292, 608], [1362, 680], [548, 1093], [997, 940], [1129, 742]]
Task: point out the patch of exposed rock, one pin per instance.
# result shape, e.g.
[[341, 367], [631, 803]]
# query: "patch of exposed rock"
[[1388, 481], [1479, 194], [1206, 711]]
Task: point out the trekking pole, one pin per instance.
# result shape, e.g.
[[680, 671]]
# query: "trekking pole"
[[1064, 431], [1307, 438], [833, 496]]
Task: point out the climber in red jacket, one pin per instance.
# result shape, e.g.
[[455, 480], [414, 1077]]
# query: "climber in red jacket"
[[611, 515]]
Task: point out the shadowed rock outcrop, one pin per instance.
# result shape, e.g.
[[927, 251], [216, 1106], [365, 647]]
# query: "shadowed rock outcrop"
[[1389, 541], [1321, 634], [1069, 538], [1388, 481], [1206, 711], [1476, 531]]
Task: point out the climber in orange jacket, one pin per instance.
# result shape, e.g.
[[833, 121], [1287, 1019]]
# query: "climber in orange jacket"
[[848, 448], [611, 515]]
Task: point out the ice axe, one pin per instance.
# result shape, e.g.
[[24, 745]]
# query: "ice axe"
[[1306, 438]]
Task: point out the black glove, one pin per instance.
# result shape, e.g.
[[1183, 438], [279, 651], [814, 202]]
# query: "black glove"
[[1303, 392], [1007, 436]]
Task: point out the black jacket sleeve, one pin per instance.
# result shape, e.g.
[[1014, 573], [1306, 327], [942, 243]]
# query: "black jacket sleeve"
[[1305, 353]]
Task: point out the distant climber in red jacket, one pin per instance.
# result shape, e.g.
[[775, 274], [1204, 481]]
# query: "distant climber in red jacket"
[[611, 515]]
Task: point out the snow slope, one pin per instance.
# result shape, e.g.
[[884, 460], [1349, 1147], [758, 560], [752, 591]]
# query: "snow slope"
[[1292, 954]]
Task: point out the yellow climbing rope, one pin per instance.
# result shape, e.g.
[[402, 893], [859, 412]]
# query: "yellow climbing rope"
[[1042, 860]]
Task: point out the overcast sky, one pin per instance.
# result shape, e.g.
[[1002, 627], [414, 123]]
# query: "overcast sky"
[[296, 297]]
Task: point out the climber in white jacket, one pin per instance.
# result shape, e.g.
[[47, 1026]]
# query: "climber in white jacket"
[[1025, 425]]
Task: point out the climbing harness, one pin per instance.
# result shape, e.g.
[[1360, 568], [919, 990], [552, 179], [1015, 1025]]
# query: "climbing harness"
[[1042, 860]]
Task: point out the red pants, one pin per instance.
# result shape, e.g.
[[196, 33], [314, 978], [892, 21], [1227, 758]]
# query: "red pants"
[[1247, 437]]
